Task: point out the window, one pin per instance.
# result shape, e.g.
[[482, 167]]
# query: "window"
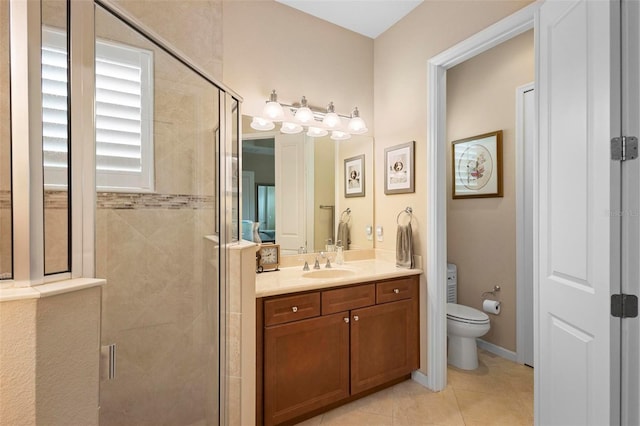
[[124, 115]]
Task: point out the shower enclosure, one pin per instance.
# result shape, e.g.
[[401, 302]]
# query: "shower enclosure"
[[161, 125], [164, 149], [118, 160]]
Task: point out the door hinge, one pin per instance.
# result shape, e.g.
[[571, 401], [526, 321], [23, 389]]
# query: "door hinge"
[[624, 305], [624, 148]]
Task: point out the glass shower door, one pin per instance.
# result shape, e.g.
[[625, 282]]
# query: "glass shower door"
[[157, 131]]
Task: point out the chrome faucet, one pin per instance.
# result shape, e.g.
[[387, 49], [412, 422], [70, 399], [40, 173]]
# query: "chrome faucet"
[[301, 251], [317, 264], [326, 255]]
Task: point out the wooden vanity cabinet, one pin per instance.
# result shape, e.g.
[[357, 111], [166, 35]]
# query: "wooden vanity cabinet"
[[328, 357], [384, 344], [306, 366]]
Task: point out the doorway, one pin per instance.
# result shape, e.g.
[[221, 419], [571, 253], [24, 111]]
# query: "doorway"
[[436, 258]]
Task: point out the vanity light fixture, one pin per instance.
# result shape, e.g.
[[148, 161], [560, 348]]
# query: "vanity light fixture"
[[317, 122]]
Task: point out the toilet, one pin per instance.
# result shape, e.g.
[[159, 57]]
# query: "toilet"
[[464, 325]]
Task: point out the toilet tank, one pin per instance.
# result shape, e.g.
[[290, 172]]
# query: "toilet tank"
[[452, 283]]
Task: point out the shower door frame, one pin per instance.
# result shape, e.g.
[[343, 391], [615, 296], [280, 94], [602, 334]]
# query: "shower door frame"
[[82, 39]]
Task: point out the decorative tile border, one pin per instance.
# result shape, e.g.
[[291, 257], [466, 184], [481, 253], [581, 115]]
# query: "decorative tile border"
[[120, 200], [5, 200], [58, 200], [132, 201]]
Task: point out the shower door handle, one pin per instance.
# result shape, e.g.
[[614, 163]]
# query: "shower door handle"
[[108, 355]]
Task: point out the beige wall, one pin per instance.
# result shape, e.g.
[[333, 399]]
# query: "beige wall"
[[67, 368], [191, 26], [271, 46], [400, 88], [361, 207], [482, 232], [400, 99], [18, 362], [49, 351]]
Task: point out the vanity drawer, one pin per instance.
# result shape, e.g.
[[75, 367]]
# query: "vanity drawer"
[[291, 308], [390, 291], [345, 299]]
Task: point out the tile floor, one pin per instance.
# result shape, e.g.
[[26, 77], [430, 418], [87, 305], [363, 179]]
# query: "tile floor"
[[499, 392]]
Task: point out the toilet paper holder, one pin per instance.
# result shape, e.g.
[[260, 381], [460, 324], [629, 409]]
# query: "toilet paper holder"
[[491, 293]]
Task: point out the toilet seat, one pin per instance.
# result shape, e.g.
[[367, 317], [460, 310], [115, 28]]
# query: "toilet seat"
[[466, 314]]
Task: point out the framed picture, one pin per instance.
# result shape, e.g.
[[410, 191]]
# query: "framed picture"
[[399, 176], [354, 176], [477, 166]]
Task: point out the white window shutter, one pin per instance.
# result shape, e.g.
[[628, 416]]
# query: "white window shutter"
[[124, 115], [54, 108]]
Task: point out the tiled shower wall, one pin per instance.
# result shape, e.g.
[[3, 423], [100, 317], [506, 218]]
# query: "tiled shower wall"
[[160, 308]]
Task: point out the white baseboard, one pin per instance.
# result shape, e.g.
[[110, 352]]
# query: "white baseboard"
[[497, 350], [420, 378]]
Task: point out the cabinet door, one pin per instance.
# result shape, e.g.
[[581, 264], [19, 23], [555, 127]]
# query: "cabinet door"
[[306, 366], [384, 343]]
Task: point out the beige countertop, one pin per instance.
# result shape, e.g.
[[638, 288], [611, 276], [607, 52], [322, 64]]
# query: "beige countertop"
[[293, 279]]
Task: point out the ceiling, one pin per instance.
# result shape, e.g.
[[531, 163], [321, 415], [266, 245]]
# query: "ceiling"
[[367, 17]]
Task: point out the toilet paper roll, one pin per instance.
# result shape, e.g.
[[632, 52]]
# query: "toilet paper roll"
[[491, 306]]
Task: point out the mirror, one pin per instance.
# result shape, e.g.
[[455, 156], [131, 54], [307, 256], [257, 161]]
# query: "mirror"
[[266, 212], [300, 180], [55, 136], [6, 262]]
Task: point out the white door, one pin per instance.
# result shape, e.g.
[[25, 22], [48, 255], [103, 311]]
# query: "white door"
[[248, 195], [577, 363], [290, 192]]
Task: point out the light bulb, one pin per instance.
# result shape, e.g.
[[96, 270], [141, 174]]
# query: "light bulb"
[[304, 115], [273, 110], [290, 128], [259, 123], [356, 126], [316, 132], [331, 120], [337, 135]]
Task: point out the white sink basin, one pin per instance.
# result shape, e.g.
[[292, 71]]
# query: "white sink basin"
[[328, 273]]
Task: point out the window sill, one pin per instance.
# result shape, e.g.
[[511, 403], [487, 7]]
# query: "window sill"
[[50, 289]]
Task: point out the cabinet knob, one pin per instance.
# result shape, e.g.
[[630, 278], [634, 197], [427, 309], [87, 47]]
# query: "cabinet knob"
[[356, 318], [346, 320], [294, 309], [396, 291]]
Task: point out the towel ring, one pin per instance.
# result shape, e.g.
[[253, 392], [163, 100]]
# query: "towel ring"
[[348, 213], [408, 211]]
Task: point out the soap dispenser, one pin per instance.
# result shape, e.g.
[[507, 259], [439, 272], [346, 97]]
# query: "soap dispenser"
[[339, 253]]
